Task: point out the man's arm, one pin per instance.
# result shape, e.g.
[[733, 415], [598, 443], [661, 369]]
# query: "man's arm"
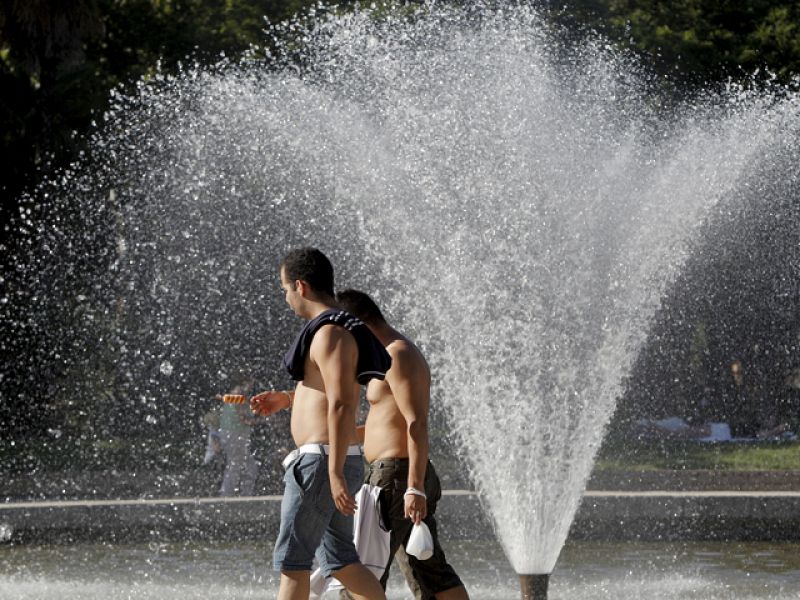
[[335, 353], [271, 401], [410, 384]]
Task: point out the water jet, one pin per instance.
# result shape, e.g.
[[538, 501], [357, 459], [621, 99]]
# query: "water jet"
[[521, 223]]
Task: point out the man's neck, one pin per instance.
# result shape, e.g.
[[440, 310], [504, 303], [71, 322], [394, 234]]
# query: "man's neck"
[[315, 308], [385, 333]]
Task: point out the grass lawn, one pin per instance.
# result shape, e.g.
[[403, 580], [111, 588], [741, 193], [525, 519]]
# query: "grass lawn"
[[32, 456], [649, 455]]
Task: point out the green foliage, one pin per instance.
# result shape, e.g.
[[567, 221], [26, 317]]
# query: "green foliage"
[[776, 40], [58, 62], [689, 455], [711, 40]]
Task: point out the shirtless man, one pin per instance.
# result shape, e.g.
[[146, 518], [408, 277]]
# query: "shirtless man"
[[396, 446], [332, 355]]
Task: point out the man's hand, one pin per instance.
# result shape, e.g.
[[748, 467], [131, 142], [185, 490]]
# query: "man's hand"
[[416, 507], [344, 502], [268, 403]]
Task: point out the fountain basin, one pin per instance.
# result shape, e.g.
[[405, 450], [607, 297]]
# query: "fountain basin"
[[651, 515], [203, 569]]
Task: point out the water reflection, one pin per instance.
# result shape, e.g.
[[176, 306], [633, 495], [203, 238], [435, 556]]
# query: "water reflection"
[[187, 570]]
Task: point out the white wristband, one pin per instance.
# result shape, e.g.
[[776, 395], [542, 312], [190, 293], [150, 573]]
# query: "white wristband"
[[416, 492]]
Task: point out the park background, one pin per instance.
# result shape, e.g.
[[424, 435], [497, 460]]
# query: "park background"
[[735, 302]]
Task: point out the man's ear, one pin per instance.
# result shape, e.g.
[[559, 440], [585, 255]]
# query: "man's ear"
[[301, 287]]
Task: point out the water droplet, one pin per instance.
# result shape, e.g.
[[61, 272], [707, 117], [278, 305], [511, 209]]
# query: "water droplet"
[[6, 531]]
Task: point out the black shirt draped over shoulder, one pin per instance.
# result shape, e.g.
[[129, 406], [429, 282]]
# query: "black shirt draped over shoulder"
[[373, 360]]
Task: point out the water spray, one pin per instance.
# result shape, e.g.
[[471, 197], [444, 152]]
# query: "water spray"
[[516, 199]]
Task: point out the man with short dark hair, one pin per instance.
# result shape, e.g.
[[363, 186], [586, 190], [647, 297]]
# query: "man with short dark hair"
[[332, 355], [396, 446], [309, 265]]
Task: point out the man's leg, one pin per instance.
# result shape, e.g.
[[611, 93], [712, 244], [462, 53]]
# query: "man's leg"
[[382, 474], [294, 585], [456, 593], [248, 479], [301, 527], [337, 553], [233, 463], [361, 584], [436, 576]]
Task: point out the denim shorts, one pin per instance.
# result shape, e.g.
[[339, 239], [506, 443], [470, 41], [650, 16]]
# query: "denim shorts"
[[310, 522]]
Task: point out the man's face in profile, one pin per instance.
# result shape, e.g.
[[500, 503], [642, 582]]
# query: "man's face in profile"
[[290, 292]]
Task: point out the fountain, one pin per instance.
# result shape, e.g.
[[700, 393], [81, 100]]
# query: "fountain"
[[518, 201]]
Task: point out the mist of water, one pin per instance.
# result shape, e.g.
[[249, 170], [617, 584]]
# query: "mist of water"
[[518, 201]]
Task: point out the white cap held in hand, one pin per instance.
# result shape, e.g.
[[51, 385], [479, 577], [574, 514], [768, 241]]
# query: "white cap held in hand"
[[420, 542]]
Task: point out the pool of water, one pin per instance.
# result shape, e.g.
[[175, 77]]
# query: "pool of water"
[[187, 570]]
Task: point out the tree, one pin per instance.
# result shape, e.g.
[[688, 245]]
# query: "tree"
[[60, 58], [700, 41]]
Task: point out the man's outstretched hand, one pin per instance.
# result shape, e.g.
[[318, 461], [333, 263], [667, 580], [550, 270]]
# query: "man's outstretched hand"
[[268, 403]]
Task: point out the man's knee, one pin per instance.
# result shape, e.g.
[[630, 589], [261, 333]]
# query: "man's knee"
[[296, 574]]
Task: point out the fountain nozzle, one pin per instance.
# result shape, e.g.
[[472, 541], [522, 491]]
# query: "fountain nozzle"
[[534, 587]]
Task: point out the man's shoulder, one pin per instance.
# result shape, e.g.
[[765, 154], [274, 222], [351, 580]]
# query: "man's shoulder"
[[401, 346], [329, 333], [406, 354]]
